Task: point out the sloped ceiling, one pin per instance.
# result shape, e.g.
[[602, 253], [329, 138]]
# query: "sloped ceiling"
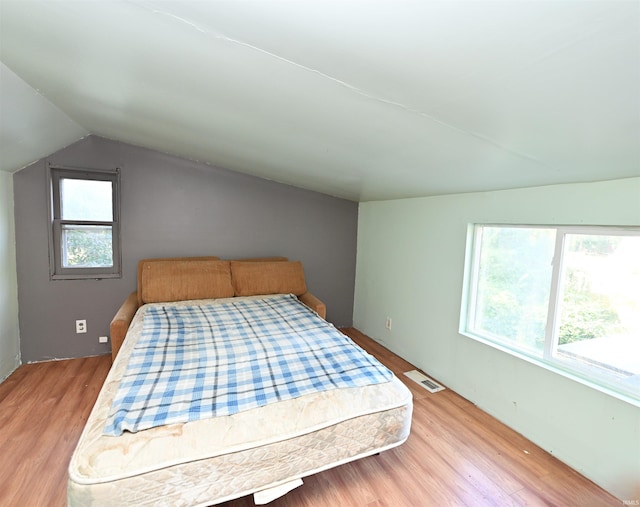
[[359, 99], [31, 127]]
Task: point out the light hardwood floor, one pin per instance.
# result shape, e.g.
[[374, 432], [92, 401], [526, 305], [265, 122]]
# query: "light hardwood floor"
[[456, 454]]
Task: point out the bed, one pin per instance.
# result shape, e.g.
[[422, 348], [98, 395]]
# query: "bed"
[[263, 443]]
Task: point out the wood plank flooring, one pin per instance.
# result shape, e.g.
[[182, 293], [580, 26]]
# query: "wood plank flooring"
[[43, 408], [456, 454]]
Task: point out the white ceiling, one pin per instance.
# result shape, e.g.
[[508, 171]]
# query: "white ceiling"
[[359, 99]]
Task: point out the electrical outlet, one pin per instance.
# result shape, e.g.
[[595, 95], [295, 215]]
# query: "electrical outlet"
[[103, 339], [81, 326], [388, 323]]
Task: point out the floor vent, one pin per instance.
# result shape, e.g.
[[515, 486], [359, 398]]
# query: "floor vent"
[[428, 383]]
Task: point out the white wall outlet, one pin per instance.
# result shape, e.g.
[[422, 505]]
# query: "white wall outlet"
[[103, 339], [81, 326], [388, 323]]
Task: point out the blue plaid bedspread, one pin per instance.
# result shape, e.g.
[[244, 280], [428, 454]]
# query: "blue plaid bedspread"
[[201, 361]]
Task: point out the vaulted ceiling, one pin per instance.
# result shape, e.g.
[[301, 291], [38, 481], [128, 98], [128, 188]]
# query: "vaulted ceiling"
[[360, 99]]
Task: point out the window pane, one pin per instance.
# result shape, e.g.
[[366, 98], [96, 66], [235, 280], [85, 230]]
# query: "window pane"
[[87, 246], [513, 285], [600, 303], [86, 200]]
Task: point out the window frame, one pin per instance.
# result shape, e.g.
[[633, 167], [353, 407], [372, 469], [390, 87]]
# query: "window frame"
[[56, 270], [570, 369]]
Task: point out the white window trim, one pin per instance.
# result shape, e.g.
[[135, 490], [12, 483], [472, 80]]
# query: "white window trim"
[[583, 376], [56, 270]]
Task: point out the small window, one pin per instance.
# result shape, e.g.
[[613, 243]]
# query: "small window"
[[85, 234], [567, 297]]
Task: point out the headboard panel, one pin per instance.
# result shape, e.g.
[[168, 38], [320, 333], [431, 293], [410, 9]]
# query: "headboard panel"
[[184, 278], [256, 278], [164, 280]]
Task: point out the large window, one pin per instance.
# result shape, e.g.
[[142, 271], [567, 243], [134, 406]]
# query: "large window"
[[84, 227], [566, 297]]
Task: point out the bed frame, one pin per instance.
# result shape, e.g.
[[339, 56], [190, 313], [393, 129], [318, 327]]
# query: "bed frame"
[[265, 451]]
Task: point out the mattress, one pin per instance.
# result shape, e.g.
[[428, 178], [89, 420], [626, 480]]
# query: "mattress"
[[209, 461]]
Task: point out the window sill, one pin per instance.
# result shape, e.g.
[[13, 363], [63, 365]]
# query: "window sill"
[[86, 276]]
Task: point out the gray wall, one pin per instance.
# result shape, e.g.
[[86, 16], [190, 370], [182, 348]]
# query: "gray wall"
[[9, 336], [173, 207]]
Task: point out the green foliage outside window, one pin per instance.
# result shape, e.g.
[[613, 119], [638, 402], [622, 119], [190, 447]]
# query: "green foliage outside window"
[[585, 313], [88, 247], [514, 287], [514, 284]]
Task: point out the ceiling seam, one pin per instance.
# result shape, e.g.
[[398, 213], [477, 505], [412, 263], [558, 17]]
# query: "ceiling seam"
[[344, 84]]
